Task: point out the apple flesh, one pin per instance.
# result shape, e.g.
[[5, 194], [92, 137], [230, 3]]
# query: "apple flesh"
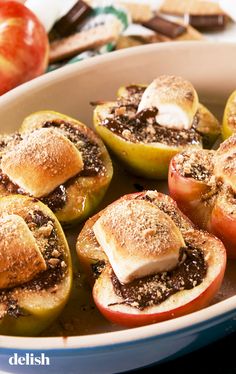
[[23, 45]]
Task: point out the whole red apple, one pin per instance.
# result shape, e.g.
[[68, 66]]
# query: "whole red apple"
[[23, 45]]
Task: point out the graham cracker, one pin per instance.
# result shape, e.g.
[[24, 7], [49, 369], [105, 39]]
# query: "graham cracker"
[[132, 41], [193, 7], [127, 42], [84, 40], [139, 12], [190, 34]]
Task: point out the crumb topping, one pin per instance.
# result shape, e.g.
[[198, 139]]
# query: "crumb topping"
[[8, 142], [168, 207], [196, 164], [125, 122], [227, 146], [133, 94], [171, 87]]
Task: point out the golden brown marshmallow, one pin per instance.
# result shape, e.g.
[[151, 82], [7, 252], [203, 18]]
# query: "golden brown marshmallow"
[[138, 239], [42, 161], [20, 257], [176, 101]]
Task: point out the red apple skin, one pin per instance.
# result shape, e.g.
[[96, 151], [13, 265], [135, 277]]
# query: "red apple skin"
[[136, 320], [187, 192], [23, 45], [223, 225]]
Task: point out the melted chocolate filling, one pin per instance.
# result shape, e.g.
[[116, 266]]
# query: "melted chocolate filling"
[[55, 200], [97, 268], [154, 289], [135, 90], [48, 279], [142, 126]]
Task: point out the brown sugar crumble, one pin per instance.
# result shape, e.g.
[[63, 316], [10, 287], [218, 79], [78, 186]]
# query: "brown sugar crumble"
[[9, 141], [167, 207], [196, 164]]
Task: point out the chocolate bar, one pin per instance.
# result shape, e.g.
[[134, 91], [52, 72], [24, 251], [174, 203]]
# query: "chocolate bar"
[[165, 27], [206, 22], [68, 23]]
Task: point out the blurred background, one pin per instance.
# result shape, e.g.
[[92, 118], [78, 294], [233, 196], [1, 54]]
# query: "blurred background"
[[77, 30]]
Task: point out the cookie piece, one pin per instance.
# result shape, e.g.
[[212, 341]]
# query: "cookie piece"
[[84, 40], [139, 12], [181, 7]]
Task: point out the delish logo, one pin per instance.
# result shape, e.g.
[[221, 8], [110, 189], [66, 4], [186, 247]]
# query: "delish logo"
[[29, 359]]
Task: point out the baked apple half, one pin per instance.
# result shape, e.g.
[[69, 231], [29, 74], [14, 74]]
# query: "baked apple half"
[[229, 118], [58, 160], [147, 125], [35, 266], [149, 262], [203, 184]]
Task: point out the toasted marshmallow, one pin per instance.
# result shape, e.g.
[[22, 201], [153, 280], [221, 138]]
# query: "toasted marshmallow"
[[138, 239], [176, 101], [225, 162], [42, 161], [20, 257]]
